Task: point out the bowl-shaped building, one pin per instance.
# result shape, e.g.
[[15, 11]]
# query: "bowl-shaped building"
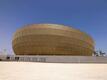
[[52, 39]]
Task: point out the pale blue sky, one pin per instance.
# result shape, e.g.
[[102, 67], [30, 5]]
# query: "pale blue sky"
[[87, 15]]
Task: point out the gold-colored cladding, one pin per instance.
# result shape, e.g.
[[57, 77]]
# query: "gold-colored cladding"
[[51, 39]]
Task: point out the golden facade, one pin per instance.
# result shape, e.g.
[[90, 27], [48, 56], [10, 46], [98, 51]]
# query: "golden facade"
[[52, 39]]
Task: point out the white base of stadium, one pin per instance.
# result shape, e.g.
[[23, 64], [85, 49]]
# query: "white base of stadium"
[[56, 59]]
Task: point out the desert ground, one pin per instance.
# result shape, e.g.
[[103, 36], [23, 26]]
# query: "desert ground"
[[52, 71]]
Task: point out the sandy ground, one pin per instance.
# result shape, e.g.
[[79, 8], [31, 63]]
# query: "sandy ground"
[[52, 71]]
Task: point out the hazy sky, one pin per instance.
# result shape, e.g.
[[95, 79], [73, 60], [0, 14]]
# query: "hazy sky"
[[87, 15]]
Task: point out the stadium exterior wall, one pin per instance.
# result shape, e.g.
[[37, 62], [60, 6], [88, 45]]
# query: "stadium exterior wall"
[[56, 59]]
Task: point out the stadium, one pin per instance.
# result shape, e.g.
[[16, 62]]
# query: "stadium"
[[53, 43], [52, 39]]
